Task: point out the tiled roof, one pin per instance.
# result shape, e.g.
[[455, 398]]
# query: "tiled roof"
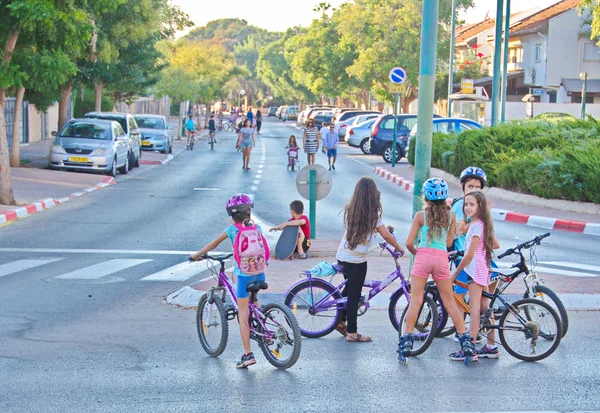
[[489, 79], [540, 19], [461, 29], [575, 85], [475, 29]]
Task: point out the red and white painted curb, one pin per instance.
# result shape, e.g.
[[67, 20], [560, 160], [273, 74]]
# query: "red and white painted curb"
[[156, 162], [510, 216], [35, 207]]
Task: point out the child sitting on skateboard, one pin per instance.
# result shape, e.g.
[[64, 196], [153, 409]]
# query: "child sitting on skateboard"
[[298, 219]]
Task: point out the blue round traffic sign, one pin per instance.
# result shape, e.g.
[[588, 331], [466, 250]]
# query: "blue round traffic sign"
[[397, 75]]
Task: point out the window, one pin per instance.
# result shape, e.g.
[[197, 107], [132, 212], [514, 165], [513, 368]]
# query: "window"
[[538, 52], [467, 126], [591, 52], [409, 123], [515, 55]]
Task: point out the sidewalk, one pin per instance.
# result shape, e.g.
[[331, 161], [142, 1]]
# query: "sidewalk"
[[282, 275]]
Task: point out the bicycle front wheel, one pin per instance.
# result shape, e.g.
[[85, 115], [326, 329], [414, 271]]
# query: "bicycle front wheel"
[[314, 320], [531, 330], [425, 327], [283, 341], [211, 323], [548, 296]]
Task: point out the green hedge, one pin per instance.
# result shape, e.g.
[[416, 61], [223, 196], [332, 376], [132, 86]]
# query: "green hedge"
[[80, 108], [556, 159]]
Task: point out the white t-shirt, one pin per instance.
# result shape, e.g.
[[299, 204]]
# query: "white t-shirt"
[[357, 255], [323, 131]]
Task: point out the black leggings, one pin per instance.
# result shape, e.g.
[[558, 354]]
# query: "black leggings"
[[258, 125], [355, 274]]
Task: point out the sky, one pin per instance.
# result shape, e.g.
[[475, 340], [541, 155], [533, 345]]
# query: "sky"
[[278, 15]]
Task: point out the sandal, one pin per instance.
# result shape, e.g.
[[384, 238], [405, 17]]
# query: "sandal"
[[359, 339], [341, 328], [303, 256]]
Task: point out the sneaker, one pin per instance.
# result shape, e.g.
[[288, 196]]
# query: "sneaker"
[[330, 168], [247, 360], [460, 356], [333, 167], [478, 341], [488, 352]]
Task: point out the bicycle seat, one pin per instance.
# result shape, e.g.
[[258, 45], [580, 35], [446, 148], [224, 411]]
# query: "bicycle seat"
[[257, 286]]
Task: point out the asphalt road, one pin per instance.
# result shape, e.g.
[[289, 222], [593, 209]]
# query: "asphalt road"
[[81, 330]]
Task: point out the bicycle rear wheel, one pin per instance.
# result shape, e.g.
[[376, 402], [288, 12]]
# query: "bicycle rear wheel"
[[532, 331], [284, 341], [425, 328], [314, 321], [211, 323], [548, 296]]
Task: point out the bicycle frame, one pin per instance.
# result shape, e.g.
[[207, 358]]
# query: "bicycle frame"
[[376, 286]]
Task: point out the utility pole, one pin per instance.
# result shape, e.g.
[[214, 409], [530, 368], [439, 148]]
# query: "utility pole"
[[497, 56], [583, 76], [505, 62], [427, 67], [451, 71]]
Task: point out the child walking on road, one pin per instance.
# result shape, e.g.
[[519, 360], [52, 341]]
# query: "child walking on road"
[[239, 208], [481, 243], [362, 220], [434, 226]]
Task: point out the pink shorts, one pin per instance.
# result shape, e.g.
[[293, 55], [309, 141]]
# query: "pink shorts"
[[431, 261]]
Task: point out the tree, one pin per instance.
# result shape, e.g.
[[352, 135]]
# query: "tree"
[[590, 10]]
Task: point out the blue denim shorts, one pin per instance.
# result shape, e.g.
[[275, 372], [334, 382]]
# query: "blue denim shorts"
[[245, 145], [332, 152], [464, 277], [244, 280]]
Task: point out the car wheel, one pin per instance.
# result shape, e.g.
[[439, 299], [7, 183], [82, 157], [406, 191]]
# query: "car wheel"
[[387, 153], [113, 170], [124, 170], [171, 148], [139, 158], [365, 146], [131, 159]]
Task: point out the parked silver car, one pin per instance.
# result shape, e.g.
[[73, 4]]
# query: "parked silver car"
[[156, 134], [90, 145], [360, 135]]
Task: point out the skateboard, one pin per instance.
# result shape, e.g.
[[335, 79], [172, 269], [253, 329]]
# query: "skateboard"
[[287, 242]]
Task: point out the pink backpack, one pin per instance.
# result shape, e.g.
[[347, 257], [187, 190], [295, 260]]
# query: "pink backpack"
[[250, 249]]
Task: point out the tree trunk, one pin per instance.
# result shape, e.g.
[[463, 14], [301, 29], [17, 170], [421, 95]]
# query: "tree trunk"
[[15, 152], [63, 104], [7, 197], [98, 86]]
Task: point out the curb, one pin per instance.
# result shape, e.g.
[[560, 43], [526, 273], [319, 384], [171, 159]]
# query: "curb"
[[35, 207], [163, 162], [579, 227]]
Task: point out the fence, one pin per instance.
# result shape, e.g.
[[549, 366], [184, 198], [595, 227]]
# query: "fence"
[[9, 116], [148, 106]]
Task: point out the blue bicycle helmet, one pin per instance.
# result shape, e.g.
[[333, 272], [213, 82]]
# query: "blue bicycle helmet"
[[435, 189], [473, 172]]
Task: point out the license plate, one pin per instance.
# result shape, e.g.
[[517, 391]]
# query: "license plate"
[[146, 143], [77, 159]]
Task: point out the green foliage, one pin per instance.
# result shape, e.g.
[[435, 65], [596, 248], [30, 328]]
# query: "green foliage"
[[553, 116], [551, 159], [81, 107]]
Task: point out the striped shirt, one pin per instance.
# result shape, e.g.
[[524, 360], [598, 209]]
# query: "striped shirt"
[[478, 267]]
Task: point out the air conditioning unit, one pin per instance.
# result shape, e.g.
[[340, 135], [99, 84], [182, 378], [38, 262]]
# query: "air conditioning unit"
[[529, 76]]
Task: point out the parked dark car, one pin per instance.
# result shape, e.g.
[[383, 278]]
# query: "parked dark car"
[[382, 133], [272, 111], [447, 126], [319, 119]]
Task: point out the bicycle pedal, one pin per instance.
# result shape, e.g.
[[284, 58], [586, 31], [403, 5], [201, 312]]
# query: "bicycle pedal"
[[231, 313]]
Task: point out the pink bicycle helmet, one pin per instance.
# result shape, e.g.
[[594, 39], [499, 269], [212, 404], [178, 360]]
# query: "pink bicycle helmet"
[[239, 203]]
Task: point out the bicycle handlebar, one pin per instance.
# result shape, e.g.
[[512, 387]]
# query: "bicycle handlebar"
[[525, 245]]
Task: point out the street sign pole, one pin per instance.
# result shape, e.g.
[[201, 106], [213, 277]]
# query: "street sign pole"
[[394, 139], [505, 63], [313, 203], [497, 55], [427, 68]]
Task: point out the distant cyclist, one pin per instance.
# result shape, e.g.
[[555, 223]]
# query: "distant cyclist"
[[212, 128], [190, 126]]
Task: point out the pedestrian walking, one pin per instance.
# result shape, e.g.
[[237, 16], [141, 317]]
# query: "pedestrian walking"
[[362, 220], [330, 141], [246, 142], [259, 120], [250, 116], [311, 141], [323, 132]]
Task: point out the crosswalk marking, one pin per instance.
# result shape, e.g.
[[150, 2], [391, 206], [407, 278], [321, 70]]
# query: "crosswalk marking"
[[181, 272], [102, 269], [573, 265], [555, 271], [21, 265]]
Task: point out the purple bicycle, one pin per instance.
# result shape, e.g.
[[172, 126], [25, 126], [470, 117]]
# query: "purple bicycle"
[[273, 326], [319, 305]]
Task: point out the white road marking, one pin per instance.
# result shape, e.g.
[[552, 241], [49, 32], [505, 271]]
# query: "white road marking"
[[22, 265], [258, 176], [272, 237], [256, 182], [207, 189], [182, 271], [254, 188], [97, 251], [556, 271], [102, 269], [572, 265]]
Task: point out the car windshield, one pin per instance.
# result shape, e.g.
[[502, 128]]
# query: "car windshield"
[[86, 131], [121, 119], [150, 123], [365, 124]]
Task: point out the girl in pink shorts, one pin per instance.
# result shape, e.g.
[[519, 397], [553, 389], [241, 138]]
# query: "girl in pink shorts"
[[434, 227]]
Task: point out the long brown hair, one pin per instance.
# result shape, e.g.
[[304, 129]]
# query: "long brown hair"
[[485, 216], [362, 213], [437, 216]]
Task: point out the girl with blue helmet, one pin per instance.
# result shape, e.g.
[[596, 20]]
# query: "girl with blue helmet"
[[434, 228]]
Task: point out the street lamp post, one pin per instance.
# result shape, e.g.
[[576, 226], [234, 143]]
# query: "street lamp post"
[[583, 76], [497, 56], [451, 69]]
